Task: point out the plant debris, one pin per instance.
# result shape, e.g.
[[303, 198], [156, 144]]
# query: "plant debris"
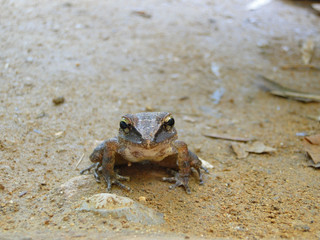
[[242, 150], [312, 147], [227, 137], [23, 193], [239, 150], [79, 161], [300, 67], [281, 91]]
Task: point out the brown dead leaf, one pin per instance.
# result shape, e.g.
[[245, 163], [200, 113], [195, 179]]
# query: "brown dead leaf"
[[315, 139], [259, 147], [242, 150], [312, 147]]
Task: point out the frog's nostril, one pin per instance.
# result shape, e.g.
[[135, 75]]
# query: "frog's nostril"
[[148, 142]]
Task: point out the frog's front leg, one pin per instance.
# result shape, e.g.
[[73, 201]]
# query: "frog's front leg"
[[104, 156], [184, 162]]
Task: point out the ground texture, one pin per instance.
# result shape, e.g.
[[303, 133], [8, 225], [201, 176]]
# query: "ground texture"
[[108, 58]]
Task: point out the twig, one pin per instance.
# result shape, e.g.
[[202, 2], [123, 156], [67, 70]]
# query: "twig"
[[279, 90], [80, 160], [230, 138], [300, 67]]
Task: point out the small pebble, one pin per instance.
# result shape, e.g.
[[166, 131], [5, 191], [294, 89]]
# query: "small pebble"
[[142, 199], [58, 100], [23, 193]]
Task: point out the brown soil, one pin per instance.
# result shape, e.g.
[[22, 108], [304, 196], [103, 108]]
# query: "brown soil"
[[106, 60]]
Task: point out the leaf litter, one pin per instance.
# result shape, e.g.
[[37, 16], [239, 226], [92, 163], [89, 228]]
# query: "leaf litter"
[[227, 137], [242, 150], [312, 147], [281, 91], [243, 146]]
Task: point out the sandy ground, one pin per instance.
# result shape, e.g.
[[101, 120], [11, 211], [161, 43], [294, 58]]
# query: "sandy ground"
[[106, 61]]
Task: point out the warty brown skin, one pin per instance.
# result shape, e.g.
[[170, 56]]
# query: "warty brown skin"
[[145, 136]]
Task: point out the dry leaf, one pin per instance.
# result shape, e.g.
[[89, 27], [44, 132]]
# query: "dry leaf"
[[312, 147], [315, 139], [259, 147], [240, 150]]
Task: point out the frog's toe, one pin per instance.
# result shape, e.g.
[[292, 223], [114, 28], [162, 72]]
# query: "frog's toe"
[[169, 179], [200, 174], [204, 169], [96, 176], [122, 178], [114, 180], [95, 166], [178, 181]]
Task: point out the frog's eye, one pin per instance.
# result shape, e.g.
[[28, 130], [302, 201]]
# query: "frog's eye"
[[169, 122], [124, 125]]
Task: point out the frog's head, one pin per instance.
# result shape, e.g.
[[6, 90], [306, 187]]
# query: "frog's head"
[[148, 129]]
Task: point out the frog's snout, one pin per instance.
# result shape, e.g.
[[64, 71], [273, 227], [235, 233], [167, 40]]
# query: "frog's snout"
[[148, 143]]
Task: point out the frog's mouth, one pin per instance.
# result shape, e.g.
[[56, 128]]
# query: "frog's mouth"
[[148, 151]]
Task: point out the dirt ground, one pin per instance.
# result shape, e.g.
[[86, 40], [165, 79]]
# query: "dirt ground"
[[108, 58]]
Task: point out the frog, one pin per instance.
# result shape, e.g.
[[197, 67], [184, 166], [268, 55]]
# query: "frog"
[[145, 136]]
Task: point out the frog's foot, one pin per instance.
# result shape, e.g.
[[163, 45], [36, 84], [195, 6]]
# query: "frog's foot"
[[115, 179], [178, 180], [204, 169], [95, 167], [200, 173]]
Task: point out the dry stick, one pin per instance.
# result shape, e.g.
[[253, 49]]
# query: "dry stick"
[[230, 138], [300, 67], [279, 90], [80, 160]]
